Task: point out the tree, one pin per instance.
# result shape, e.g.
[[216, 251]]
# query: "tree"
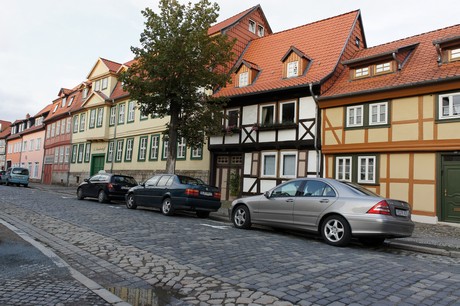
[[176, 68]]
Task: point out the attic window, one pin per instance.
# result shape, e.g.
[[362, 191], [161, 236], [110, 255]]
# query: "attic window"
[[105, 83], [293, 69], [85, 93], [383, 68], [70, 101], [55, 108], [243, 79], [454, 55], [260, 31], [252, 26], [357, 42], [64, 100], [362, 72]]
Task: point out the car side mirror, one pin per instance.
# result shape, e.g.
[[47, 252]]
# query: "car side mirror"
[[142, 184], [86, 180], [267, 194]]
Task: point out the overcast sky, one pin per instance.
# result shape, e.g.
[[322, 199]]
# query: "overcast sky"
[[47, 45]]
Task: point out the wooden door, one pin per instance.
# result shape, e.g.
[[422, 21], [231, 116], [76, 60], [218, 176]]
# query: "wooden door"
[[450, 197]]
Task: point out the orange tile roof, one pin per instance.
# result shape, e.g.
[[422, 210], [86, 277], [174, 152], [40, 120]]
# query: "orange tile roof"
[[5, 133], [323, 41], [230, 21], [113, 66], [421, 66]]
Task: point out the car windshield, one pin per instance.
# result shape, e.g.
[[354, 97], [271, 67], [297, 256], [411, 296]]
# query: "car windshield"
[[190, 180], [20, 171], [358, 189]]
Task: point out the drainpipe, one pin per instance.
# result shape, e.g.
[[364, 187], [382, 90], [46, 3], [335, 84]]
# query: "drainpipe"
[[114, 135], [318, 152]]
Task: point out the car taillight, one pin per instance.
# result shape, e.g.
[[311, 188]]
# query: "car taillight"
[[217, 195], [381, 208], [192, 192]]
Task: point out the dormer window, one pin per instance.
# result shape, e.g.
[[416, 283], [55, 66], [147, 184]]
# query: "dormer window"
[[357, 42], [383, 68], [85, 93], [260, 31], [293, 69], [70, 101], [243, 79], [252, 26], [362, 72], [55, 108], [97, 85], [64, 100], [454, 54], [105, 82]]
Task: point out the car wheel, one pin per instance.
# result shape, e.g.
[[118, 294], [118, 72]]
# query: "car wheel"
[[336, 231], [80, 194], [372, 241], [241, 217], [102, 197], [131, 202], [166, 207], [7, 183], [202, 214], [26, 185]]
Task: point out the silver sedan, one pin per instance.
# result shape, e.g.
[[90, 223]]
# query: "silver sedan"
[[337, 210]]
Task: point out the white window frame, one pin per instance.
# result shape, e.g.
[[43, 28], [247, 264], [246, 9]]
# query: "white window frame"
[[82, 122], [67, 154], [92, 118], [110, 148], [181, 148], [292, 69], [454, 54], [105, 83], [260, 30], [261, 113], [39, 144], [252, 26], [121, 113], [451, 108], [243, 79], [100, 116], [379, 113], [56, 155], [119, 151], [131, 111], [282, 104], [63, 126], [197, 152], [143, 141], [383, 68], [113, 115], [367, 179], [87, 152], [68, 125], [340, 170], [164, 153], [265, 154], [356, 107], [362, 72], [129, 149], [282, 169], [53, 129], [61, 155], [97, 85], [154, 147]]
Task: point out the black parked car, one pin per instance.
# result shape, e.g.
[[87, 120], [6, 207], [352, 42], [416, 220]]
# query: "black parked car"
[[175, 192], [105, 187]]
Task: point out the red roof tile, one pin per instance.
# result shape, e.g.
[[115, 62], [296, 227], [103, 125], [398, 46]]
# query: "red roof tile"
[[323, 41], [420, 68], [230, 21], [113, 66]]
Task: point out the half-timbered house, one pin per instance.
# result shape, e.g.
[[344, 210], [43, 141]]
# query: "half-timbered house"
[[392, 123], [270, 131]]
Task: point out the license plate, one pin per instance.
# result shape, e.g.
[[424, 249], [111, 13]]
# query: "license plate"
[[125, 187], [401, 212], [206, 193]]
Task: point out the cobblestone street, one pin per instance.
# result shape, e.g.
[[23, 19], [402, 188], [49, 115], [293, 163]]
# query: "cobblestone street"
[[183, 260]]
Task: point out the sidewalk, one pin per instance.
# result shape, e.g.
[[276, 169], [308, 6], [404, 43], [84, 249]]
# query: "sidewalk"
[[439, 239]]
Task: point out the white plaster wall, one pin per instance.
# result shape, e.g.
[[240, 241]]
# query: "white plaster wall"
[[247, 183], [286, 135], [249, 114], [247, 163], [266, 185], [267, 136]]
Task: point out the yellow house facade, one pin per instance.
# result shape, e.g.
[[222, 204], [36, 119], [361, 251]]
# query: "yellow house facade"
[[392, 120], [111, 134]]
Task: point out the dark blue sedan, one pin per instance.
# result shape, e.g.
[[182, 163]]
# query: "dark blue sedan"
[[171, 192]]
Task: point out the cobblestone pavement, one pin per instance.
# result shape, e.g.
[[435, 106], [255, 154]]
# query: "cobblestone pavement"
[[191, 261]]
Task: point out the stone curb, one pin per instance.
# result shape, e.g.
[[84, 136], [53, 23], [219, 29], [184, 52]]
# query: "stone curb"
[[85, 281]]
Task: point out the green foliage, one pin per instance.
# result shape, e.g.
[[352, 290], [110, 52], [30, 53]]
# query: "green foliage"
[[176, 68], [234, 183]]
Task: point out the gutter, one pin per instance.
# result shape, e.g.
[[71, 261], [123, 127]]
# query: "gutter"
[[318, 152]]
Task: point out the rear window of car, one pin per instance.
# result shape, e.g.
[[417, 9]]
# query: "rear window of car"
[[190, 180], [358, 189], [124, 179], [20, 171]]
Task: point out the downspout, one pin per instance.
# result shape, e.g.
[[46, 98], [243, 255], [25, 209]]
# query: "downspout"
[[70, 151], [316, 146]]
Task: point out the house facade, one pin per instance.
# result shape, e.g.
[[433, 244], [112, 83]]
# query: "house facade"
[[270, 132], [4, 133], [391, 122], [14, 144], [109, 133]]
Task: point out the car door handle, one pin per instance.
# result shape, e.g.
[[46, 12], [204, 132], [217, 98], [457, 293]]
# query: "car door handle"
[[290, 200], [324, 201]]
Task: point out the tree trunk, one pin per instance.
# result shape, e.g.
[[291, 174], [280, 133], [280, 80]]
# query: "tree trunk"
[[172, 144]]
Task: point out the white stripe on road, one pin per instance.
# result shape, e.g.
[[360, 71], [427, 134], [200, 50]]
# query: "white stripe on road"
[[215, 226]]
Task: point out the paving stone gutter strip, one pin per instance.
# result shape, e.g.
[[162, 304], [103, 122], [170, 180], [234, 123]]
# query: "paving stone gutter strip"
[[90, 284]]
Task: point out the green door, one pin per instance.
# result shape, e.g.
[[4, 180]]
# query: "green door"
[[97, 163], [450, 210]]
